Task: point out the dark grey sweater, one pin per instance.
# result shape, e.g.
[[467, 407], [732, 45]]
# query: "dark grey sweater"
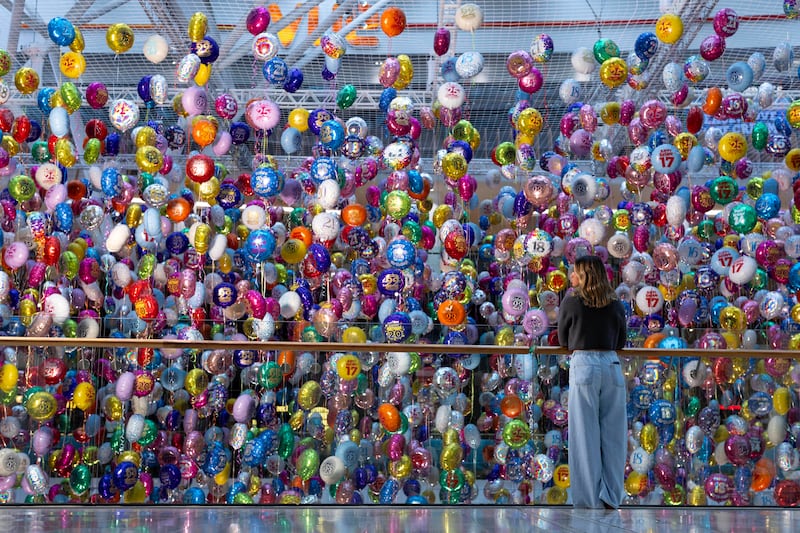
[[591, 328]]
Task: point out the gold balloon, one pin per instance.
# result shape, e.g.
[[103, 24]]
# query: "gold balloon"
[[113, 409], [196, 381], [401, 468], [732, 318], [223, 477], [649, 437], [71, 96], [145, 136], [135, 494], [78, 44], [297, 420], [65, 152], [10, 145], [198, 25], [27, 308], [635, 483], [781, 400], [556, 496], [451, 456], [131, 456], [309, 394], [203, 74], [72, 64], [696, 496], [26, 80], [119, 37], [41, 406], [9, 376], [133, 215], [208, 190], [450, 436], [149, 159], [202, 238], [84, 396]]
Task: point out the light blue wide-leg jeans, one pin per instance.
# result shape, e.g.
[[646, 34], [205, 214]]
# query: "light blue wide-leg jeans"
[[598, 429]]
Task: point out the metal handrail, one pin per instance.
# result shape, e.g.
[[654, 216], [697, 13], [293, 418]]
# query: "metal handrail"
[[173, 344]]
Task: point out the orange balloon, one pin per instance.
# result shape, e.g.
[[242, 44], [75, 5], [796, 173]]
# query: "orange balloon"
[[511, 406], [763, 474], [652, 340], [286, 360], [178, 209], [423, 194], [451, 313], [354, 215], [76, 190], [393, 21], [204, 132], [302, 233], [713, 101], [389, 417]]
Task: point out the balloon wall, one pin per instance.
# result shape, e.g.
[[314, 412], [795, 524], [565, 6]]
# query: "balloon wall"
[[364, 239]]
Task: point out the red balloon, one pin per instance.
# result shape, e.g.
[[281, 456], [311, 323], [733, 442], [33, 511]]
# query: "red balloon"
[[694, 120], [787, 493], [6, 119], [21, 128], [441, 41], [200, 168], [96, 129]]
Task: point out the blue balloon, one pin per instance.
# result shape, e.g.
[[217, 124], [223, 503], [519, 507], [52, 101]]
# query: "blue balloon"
[[294, 80], [327, 75], [43, 99], [461, 147], [194, 496], [109, 182], [448, 70], [112, 144], [768, 205], [401, 253], [260, 244], [794, 278], [267, 181], [331, 134], [177, 243], [206, 49], [317, 118], [170, 476], [176, 137], [125, 475], [35, 133], [240, 133], [105, 487], [387, 95], [61, 31], [291, 140], [696, 159], [646, 45], [322, 169], [144, 89], [782, 125], [739, 76], [63, 218], [389, 491], [770, 186], [275, 70], [397, 327]]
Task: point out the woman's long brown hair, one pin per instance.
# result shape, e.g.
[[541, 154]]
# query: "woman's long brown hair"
[[593, 288]]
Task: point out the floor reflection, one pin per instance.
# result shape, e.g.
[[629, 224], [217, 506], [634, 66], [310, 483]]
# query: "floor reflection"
[[492, 519]]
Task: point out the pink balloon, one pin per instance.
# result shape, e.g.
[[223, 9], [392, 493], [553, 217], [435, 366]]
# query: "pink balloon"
[[263, 114], [16, 254], [194, 100], [441, 41], [223, 144], [257, 20], [531, 82]]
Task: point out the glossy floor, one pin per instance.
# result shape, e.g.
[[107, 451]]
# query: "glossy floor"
[[393, 519]]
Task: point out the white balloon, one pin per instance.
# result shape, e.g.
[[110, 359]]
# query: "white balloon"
[[469, 17], [451, 95], [742, 270], [583, 60], [325, 226], [328, 193], [59, 121], [155, 48], [676, 210], [469, 64], [117, 238], [58, 307], [619, 246], [254, 217], [570, 91], [592, 230], [289, 303], [218, 246], [649, 300]]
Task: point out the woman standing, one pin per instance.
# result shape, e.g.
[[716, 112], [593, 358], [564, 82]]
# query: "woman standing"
[[592, 323]]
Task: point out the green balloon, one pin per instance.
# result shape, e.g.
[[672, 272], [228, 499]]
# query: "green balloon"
[[308, 463], [147, 265], [724, 190], [242, 498], [68, 264], [40, 153], [91, 151], [398, 204], [742, 218], [22, 188], [759, 281], [310, 334], [759, 136], [118, 440], [505, 153], [412, 231], [755, 187], [270, 375], [70, 328], [285, 441], [605, 49], [80, 479], [346, 96], [149, 433], [705, 229], [516, 433]]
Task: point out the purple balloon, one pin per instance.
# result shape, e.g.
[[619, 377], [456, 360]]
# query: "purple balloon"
[[257, 20]]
